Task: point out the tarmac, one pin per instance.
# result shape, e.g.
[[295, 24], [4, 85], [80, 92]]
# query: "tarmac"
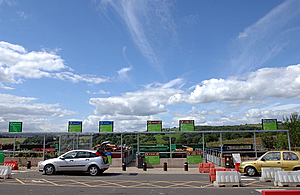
[[133, 169]]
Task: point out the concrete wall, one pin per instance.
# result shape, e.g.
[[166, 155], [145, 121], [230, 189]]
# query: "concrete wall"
[[116, 162], [171, 163]]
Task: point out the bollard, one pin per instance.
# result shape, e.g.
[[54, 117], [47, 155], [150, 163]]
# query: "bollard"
[[28, 164], [165, 166], [145, 166], [186, 166], [124, 166]]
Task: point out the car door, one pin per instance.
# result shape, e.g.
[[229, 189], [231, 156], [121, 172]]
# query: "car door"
[[67, 162], [290, 159], [271, 159], [82, 160]]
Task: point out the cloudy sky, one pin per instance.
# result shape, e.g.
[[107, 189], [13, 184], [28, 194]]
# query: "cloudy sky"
[[216, 62]]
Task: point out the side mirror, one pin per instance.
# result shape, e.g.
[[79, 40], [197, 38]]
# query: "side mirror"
[[263, 159], [62, 158]]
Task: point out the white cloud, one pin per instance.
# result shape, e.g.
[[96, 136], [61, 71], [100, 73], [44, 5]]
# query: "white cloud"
[[17, 64], [242, 35], [8, 2], [142, 19], [121, 122], [123, 73], [266, 82], [265, 39], [236, 100], [140, 103], [22, 15], [99, 92], [35, 116]]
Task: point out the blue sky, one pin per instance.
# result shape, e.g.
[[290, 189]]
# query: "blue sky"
[[215, 62]]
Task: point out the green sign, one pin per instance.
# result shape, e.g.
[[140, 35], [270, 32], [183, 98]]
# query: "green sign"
[[152, 157], [75, 126], [186, 125], [193, 157], [269, 124], [106, 126], [154, 126], [15, 126], [1, 157]]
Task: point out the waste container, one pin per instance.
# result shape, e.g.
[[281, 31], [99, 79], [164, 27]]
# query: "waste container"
[[140, 159], [28, 164], [228, 161]]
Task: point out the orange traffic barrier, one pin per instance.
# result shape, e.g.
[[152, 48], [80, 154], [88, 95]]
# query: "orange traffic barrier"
[[205, 167], [12, 164], [280, 192]]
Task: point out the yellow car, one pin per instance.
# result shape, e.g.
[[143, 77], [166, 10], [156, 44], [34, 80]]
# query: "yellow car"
[[287, 160]]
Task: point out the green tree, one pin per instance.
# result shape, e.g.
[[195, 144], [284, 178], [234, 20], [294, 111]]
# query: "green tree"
[[268, 140], [292, 123]]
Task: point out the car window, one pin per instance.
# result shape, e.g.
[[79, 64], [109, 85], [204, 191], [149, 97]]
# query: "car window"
[[272, 156], [290, 156], [82, 154], [70, 155], [93, 155]]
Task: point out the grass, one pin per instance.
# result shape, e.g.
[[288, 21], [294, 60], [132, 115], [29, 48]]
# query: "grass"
[[5, 141]]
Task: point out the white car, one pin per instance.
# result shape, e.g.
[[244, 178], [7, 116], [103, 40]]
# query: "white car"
[[92, 161]]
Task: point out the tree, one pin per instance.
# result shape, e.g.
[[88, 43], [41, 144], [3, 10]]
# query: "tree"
[[292, 123]]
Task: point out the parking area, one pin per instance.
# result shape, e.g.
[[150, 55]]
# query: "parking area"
[[131, 181]]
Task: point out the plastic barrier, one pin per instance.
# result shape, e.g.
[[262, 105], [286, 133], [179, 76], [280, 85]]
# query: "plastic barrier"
[[268, 173], [280, 192], [228, 179], [5, 172], [287, 178], [205, 167], [212, 173], [237, 167], [12, 164]]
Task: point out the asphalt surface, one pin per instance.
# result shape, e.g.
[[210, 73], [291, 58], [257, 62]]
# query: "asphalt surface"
[[134, 181]]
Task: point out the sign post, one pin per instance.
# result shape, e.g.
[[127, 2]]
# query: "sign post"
[[154, 126], [269, 124], [193, 157], [152, 157], [186, 125], [15, 126], [75, 127], [106, 126]]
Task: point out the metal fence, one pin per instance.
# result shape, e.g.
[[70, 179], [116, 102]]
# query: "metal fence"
[[68, 141]]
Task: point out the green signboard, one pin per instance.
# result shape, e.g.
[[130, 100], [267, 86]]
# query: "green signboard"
[[1, 157], [154, 126], [186, 125], [15, 126], [194, 157], [152, 157], [75, 126], [106, 126], [269, 124]]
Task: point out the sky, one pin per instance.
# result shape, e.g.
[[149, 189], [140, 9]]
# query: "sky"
[[129, 61]]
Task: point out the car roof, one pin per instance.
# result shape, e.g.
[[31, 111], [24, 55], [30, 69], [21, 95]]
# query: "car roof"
[[284, 151], [83, 150]]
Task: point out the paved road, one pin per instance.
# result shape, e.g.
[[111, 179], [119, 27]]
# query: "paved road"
[[133, 181]]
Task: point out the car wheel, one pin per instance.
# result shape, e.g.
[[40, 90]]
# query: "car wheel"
[[296, 169], [49, 169], [93, 170], [251, 171]]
